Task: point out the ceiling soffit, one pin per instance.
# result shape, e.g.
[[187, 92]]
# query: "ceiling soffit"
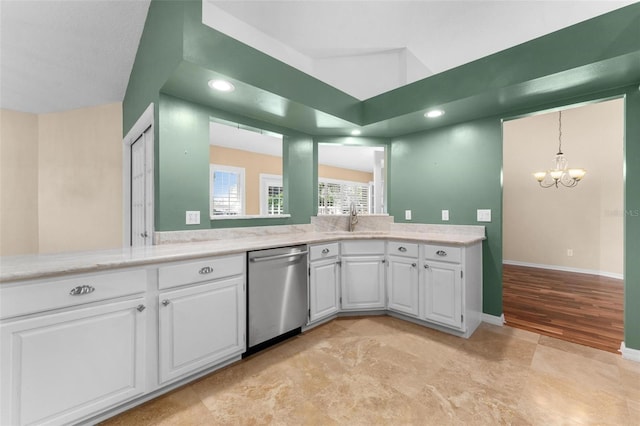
[[588, 57]]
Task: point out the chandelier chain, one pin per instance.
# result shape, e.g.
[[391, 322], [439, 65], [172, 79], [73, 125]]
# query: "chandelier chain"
[[559, 132]]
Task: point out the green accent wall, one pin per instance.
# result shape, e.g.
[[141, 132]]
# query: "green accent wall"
[[456, 168], [632, 219], [182, 152], [453, 163]]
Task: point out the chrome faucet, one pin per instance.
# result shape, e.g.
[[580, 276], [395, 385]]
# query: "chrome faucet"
[[353, 216]]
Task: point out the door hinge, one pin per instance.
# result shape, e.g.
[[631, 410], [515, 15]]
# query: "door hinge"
[[462, 318], [309, 313], [309, 271], [461, 274]]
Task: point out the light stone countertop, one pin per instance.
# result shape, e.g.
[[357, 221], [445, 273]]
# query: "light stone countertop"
[[27, 267]]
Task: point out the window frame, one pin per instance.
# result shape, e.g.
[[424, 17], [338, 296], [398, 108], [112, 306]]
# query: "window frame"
[[267, 180], [240, 171], [341, 182]]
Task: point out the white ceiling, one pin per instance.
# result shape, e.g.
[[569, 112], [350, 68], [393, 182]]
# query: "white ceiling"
[[58, 55]]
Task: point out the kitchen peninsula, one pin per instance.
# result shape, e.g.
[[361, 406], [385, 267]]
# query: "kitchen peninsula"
[[124, 326]]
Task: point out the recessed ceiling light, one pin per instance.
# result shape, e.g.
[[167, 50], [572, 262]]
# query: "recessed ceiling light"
[[221, 85], [356, 132], [434, 113]]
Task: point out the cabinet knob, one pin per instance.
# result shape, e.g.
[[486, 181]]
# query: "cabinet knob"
[[441, 253], [141, 308], [325, 251], [426, 266], [402, 249], [166, 302], [413, 265], [82, 289]]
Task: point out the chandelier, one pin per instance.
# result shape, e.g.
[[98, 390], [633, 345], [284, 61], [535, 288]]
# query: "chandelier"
[[561, 173]]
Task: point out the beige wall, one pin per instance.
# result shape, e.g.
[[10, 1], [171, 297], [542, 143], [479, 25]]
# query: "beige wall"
[[18, 183], [540, 225], [255, 164], [330, 172], [80, 179], [70, 193]]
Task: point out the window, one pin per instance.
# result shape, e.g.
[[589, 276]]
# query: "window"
[[271, 195], [227, 190], [335, 196]]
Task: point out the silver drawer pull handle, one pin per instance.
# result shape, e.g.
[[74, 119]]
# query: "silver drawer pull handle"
[[325, 251], [82, 289], [441, 253], [205, 270], [402, 249], [141, 308], [165, 302]]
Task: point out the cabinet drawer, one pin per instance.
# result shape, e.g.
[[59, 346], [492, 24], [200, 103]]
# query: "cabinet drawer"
[[362, 247], [443, 253], [201, 270], [44, 295], [324, 251], [398, 248]]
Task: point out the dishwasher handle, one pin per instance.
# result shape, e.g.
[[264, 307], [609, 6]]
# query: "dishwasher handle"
[[277, 256]]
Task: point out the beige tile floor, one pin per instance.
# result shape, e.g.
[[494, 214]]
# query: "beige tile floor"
[[381, 370]]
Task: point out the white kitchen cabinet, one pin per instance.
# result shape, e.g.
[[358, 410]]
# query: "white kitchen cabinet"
[[363, 275], [442, 301], [451, 286], [324, 281], [200, 326], [58, 368], [402, 278]]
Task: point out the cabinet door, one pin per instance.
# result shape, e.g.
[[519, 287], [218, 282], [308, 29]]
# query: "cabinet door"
[[402, 285], [200, 326], [442, 301], [61, 367], [323, 289], [363, 282]]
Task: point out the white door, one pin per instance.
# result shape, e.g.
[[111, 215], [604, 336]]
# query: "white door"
[[362, 282], [142, 189], [443, 293], [323, 286], [201, 326], [402, 285], [59, 368]]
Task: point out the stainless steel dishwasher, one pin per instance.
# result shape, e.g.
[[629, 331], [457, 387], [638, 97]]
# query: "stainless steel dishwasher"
[[276, 293]]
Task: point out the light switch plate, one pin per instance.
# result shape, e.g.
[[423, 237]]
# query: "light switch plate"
[[193, 217], [445, 215], [484, 215], [407, 215]]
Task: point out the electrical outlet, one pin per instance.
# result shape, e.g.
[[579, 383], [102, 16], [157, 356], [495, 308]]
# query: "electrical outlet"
[[193, 217], [484, 215], [570, 252], [407, 215], [445, 215]]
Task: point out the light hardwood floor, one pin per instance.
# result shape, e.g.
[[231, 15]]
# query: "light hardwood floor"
[[579, 308], [384, 371]]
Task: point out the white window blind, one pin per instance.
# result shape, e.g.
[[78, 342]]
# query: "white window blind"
[[271, 194], [335, 196], [227, 190]]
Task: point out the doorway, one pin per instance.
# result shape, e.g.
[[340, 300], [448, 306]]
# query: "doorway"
[[563, 247], [138, 176]]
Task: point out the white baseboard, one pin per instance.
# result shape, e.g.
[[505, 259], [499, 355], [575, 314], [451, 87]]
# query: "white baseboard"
[[630, 354], [564, 269], [492, 319]]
